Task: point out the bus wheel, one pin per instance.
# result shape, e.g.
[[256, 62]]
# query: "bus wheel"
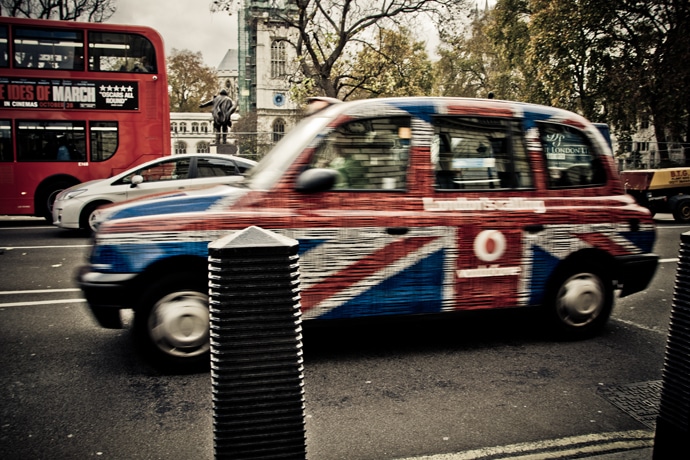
[[172, 324], [579, 302], [45, 198], [88, 215], [681, 213]]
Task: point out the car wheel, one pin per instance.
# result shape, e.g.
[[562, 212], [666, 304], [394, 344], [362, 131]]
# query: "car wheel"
[[173, 323], [681, 213], [88, 215], [579, 302]]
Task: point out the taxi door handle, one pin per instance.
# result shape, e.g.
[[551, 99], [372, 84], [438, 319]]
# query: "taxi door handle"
[[536, 228], [397, 230]]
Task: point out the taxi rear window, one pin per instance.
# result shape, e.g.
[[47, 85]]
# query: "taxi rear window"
[[570, 158]]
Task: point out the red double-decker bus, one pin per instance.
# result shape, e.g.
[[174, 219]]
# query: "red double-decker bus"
[[78, 101]]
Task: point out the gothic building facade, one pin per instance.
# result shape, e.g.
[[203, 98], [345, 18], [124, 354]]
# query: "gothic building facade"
[[264, 61]]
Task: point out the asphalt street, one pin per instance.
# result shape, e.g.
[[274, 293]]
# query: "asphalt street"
[[480, 386]]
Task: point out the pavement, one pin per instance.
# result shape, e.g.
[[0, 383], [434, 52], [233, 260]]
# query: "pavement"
[[623, 445]]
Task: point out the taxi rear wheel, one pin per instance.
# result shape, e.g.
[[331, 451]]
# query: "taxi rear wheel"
[[579, 302], [172, 325]]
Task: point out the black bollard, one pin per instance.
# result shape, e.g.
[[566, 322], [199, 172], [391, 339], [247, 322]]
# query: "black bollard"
[[256, 347], [673, 422]]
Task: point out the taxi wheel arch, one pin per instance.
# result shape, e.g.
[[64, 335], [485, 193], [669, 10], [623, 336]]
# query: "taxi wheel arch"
[[171, 322], [579, 296]]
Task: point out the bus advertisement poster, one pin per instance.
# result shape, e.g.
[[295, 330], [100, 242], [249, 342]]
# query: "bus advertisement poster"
[[32, 93]]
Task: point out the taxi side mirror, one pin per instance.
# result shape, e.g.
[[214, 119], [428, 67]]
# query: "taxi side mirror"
[[316, 180], [136, 180]]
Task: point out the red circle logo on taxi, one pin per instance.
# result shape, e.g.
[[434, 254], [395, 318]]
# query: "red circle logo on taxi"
[[489, 245]]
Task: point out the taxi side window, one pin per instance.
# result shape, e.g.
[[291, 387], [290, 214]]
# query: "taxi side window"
[[475, 153], [368, 154], [570, 158]]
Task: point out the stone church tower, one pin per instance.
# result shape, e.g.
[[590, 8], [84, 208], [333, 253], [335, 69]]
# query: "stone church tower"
[[264, 59]]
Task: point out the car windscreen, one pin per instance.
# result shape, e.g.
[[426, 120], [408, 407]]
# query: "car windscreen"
[[273, 166]]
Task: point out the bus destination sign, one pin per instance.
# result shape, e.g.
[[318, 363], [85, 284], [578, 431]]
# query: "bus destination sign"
[[29, 93]]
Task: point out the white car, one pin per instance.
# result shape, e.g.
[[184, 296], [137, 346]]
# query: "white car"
[[75, 207]]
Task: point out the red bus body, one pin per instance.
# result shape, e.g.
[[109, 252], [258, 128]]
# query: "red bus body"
[[78, 101]]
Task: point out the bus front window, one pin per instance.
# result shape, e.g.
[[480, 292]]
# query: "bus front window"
[[121, 52]]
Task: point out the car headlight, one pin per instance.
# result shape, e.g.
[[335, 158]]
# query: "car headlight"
[[69, 194]]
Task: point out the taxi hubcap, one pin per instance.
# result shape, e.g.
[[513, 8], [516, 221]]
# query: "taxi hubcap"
[[580, 299], [179, 324]]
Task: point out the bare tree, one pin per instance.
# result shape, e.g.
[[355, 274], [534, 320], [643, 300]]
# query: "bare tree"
[[330, 33], [66, 10]]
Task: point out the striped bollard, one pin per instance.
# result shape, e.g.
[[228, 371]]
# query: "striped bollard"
[[256, 348]]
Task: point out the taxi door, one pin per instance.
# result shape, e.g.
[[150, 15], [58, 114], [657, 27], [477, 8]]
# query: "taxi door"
[[484, 187], [364, 251]]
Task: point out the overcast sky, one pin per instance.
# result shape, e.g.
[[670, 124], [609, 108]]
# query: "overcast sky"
[[189, 24], [184, 24]]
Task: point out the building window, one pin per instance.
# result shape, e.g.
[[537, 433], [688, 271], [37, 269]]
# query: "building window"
[[173, 127], [278, 59], [183, 127], [195, 127], [278, 129], [641, 146], [203, 147], [204, 128], [180, 147]]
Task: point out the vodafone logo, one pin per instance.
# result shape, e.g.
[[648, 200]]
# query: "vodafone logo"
[[489, 245]]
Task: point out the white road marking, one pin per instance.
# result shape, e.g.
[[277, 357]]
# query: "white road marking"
[[12, 248], [40, 302], [39, 291]]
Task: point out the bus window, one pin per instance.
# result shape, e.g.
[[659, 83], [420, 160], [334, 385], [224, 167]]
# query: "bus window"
[[104, 140], [4, 52], [51, 141], [48, 49], [121, 52], [5, 141]]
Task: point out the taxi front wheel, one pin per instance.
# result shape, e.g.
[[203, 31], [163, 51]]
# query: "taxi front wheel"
[[579, 302], [172, 325]]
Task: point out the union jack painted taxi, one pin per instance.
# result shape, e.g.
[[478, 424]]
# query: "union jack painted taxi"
[[400, 206]]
